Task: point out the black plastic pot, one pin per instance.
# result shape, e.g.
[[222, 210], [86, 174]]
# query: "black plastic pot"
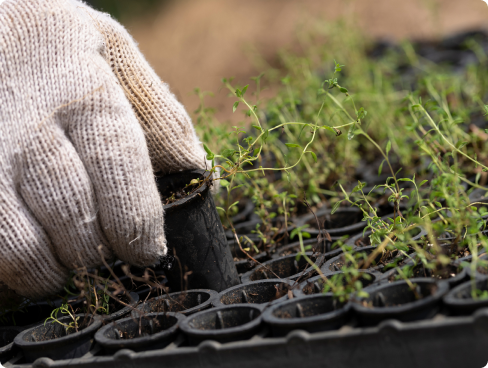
[[151, 332], [346, 220], [245, 213], [54, 341], [196, 237], [313, 313], [134, 284], [241, 261], [295, 248], [451, 273], [362, 240], [27, 316], [117, 310], [478, 196], [255, 292], [481, 268], [7, 336], [121, 310], [315, 285], [398, 301], [460, 301], [184, 302], [285, 268], [248, 227], [335, 264], [136, 287], [225, 324]]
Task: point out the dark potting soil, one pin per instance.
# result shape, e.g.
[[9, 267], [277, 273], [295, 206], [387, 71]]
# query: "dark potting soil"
[[176, 304], [290, 251], [115, 306], [363, 242], [280, 290], [154, 326], [483, 269], [252, 252], [440, 274], [453, 249], [283, 269], [336, 220], [380, 259], [318, 286], [173, 196], [444, 273], [56, 333]]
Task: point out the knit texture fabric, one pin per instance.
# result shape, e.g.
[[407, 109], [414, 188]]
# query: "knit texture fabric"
[[84, 123]]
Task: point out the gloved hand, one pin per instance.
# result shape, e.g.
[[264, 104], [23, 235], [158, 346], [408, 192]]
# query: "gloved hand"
[[84, 123]]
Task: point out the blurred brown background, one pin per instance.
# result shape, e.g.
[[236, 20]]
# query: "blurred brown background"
[[194, 43]]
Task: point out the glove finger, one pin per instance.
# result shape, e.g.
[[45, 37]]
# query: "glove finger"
[[111, 144], [58, 191], [171, 138], [27, 262], [170, 135]]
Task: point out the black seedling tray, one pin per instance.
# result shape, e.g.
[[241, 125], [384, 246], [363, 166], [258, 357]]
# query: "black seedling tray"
[[439, 342]]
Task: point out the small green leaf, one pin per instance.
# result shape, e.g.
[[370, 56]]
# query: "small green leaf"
[[361, 114], [402, 247], [388, 147], [359, 187], [292, 145], [207, 149], [234, 108], [244, 90], [343, 90], [194, 181], [380, 169], [237, 186], [328, 128], [257, 127], [220, 208], [314, 156], [336, 206], [423, 182], [224, 183], [233, 204]]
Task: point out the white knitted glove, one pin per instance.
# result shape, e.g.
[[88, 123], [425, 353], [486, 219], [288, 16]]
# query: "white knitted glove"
[[75, 164]]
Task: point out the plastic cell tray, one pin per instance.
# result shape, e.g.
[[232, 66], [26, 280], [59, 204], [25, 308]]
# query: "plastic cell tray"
[[438, 342]]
